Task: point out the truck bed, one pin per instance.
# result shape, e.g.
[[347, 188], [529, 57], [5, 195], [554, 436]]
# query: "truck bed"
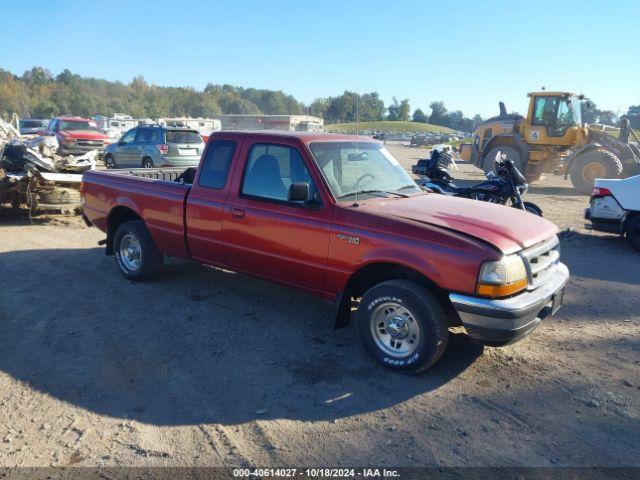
[[165, 174], [156, 195]]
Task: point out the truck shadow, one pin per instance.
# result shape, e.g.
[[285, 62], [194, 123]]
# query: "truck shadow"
[[197, 345]]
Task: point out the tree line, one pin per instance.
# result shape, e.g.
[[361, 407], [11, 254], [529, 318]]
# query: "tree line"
[[38, 93]]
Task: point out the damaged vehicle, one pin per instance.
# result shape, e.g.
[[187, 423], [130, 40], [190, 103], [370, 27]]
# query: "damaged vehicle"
[[76, 135], [339, 218], [36, 175]]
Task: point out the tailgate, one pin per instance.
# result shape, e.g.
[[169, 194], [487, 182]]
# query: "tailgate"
[[159, 203]]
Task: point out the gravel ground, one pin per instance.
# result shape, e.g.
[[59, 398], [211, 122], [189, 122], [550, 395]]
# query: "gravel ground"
[[204, 367]]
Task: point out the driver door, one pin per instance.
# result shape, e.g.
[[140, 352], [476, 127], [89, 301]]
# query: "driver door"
[[267, 235]]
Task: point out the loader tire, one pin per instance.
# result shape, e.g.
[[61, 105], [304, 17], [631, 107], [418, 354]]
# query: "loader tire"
[[591, 165], [511, 153]]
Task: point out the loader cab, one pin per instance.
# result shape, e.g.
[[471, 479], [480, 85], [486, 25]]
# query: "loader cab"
[[555, 118]]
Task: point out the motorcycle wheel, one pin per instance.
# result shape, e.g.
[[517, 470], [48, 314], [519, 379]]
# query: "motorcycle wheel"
[[533, 208]]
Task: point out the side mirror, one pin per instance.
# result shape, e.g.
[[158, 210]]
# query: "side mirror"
[[298, 192]]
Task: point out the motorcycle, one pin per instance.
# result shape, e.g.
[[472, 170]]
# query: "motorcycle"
[[506, 185]]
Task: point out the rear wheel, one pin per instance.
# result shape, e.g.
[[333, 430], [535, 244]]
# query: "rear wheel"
[[591, 165], [402, 325], [633, 232], [506, 152], [136, 254], [147, 162]]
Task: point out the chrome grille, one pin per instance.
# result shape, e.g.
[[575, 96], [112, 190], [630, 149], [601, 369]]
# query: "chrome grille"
[[90, 143], [540, 260]]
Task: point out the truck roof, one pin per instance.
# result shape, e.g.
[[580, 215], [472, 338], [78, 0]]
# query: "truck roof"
[[305, 137]]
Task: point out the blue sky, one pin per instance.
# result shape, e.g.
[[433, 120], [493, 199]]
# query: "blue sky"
[[468, 54]]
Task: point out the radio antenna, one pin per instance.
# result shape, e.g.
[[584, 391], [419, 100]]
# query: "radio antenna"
[[357, 139]]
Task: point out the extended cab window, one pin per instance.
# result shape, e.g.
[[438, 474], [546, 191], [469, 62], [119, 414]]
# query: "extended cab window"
[[271, 169], [216, 163]]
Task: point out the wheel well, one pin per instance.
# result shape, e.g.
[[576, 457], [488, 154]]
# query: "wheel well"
[[117, 217], [369, 275]]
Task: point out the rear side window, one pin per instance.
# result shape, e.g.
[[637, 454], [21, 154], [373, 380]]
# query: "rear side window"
[[183, 136], [148, 135], [216, 163]]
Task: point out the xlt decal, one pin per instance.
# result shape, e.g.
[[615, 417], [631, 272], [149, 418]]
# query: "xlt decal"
[[349, 238]]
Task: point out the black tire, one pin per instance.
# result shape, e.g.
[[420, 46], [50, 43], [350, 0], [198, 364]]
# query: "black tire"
[[424, 309], [150, 259], [591, 165], [633, 232], [109, 161], [147, 163], [511, 153], [533, 208]]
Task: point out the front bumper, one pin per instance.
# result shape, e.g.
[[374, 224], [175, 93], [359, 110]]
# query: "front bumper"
[[505, 321]]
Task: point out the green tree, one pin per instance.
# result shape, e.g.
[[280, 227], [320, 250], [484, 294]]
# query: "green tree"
[[420, 116], [633, 114], [438, 114]]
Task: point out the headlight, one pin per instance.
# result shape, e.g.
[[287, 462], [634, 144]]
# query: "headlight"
[[503, 277]]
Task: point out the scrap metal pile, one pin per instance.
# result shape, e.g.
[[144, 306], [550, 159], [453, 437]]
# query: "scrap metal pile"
[[33, 174]]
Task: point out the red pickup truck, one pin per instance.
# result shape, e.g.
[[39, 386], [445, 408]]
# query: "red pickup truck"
[[338, 217]]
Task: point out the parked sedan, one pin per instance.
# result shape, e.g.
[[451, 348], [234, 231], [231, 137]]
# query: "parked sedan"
[[150, 146]]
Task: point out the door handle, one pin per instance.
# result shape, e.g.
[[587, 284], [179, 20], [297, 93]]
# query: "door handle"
[[237, 212]]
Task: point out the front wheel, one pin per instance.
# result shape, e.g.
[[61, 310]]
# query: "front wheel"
[[591, 165], [402, 326], [136, 254], [533, 208]]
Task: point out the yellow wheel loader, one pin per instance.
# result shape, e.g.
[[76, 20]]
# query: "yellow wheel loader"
[[552, 138]]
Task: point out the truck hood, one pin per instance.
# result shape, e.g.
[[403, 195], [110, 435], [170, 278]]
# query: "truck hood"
[[506, 228], [84, 134]]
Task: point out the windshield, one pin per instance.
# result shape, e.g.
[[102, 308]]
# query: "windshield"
[[78, 125], [183, 136], [366, 168], [33, 123]]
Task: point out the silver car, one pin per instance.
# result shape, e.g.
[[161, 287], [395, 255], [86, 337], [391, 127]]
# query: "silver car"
[[150, 146]]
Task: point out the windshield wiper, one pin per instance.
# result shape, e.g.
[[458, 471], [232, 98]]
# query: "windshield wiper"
[[373, 192], [404, 187]]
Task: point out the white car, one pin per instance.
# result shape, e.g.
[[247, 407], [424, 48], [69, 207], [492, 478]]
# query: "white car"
[[615, 208]]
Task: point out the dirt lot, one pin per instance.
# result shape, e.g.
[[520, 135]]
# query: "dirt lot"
[[206, 367]]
